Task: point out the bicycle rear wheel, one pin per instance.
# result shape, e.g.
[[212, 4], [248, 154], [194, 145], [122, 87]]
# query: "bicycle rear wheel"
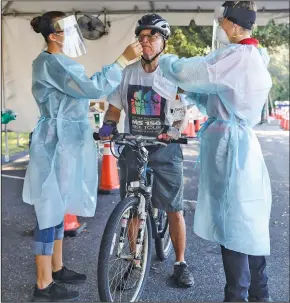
[[119, 279], [163, 243]]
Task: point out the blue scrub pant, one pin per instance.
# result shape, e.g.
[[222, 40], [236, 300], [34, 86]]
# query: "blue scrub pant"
[[246, 277]]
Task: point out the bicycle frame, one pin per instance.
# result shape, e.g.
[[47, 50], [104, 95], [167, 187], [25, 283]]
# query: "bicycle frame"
[[142, 188]]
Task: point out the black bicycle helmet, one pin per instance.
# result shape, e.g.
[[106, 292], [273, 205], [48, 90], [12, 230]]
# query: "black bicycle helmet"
[[154, 22]]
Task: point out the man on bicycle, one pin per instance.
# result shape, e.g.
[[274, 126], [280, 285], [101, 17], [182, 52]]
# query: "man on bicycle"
[[145, 115]]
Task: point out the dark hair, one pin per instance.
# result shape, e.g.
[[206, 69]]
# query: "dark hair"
[[44, 24]]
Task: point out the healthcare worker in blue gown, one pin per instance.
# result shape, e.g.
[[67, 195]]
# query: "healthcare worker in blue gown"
[[62, 173], [231, 85]]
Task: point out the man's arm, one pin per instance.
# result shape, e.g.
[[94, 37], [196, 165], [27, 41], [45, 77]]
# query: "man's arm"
[[113, 113], [111, 120], [182, 124]]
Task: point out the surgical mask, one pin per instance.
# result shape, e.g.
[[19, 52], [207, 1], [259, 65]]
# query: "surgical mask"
[[222, 36]]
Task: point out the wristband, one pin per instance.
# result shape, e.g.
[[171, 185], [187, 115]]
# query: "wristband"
[[122, 61]]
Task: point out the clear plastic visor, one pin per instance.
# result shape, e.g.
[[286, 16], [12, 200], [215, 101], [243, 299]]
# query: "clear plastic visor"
[[73, 44]]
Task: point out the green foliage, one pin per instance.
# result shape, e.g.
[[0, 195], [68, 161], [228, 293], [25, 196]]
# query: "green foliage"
[[190, 41], [272, 35], [279, 69]]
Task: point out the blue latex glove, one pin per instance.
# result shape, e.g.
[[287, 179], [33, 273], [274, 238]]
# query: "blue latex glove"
[[109, 128]]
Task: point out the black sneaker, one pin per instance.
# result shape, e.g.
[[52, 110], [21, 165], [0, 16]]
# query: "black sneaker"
[[68, 276], [54, 293], [183, 277]]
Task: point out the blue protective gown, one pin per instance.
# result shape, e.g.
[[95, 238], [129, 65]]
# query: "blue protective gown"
[[230, 85], [62, 175]]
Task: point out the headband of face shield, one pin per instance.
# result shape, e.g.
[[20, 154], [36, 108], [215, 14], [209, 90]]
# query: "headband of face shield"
[[240, 16], [73, 41]]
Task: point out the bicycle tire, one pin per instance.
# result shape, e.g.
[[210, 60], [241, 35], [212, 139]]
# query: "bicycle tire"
[[163, 249], [106, 242]]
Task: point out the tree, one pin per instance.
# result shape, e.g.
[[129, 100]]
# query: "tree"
[[279, 69], [272, 35], [190, 41]]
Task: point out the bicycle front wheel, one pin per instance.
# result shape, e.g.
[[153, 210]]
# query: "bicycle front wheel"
[[120, 279]]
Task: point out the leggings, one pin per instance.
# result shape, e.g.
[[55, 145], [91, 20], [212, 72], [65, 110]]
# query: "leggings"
[[44, 239]]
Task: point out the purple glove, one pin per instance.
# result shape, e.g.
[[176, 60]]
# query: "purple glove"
[[109, 128]]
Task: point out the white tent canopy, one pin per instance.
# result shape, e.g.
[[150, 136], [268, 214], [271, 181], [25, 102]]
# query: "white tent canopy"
[[200, 11], [20, 45]]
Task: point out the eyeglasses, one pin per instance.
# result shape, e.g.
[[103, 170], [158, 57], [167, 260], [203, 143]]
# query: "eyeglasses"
[[150, 38], [59, 33]]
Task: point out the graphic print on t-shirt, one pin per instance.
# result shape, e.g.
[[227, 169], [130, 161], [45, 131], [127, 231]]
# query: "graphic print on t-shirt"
[[146, 110]]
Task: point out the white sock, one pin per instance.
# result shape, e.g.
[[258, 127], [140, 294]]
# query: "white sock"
[[178, 263]]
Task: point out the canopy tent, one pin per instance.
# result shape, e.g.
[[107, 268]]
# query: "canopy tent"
[[181, 12], [20, 45]]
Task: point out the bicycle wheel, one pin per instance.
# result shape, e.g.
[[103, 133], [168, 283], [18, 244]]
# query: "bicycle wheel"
[[119, 279], [163, 243]]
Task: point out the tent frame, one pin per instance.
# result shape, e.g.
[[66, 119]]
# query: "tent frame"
[[5, 12]]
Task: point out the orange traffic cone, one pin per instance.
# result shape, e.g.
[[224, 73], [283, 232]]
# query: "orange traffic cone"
[[109, 182], [286, 125], [72, 227], [282, 122], [185, 131], [190, 129], [197, 125]]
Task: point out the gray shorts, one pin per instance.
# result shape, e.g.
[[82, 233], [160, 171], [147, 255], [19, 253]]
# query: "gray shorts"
[[167, 165]]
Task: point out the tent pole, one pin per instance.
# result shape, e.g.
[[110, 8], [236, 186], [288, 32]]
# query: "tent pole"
[[6, 7], [132, 11], [3, 96]]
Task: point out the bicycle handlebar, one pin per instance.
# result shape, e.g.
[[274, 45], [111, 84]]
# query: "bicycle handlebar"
[[128, 137]]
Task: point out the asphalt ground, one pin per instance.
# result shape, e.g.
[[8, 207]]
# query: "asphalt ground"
[[203, 257]]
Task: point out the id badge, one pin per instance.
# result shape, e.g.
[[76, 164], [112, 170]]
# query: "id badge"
[[164, 88]]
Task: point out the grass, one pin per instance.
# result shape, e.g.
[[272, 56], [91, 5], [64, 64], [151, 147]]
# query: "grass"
[[12, 143]]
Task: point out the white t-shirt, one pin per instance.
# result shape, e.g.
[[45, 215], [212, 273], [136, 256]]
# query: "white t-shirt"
[[144, 108]]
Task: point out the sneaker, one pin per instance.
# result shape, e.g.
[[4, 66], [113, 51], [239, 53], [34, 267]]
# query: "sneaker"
[[54, 293], [183, 277], [68, 276]]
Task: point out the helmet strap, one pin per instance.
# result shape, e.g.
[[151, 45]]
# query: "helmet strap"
[[149, 61]]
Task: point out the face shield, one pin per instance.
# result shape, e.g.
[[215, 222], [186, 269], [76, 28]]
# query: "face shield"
[[218, 18], [73, 43]]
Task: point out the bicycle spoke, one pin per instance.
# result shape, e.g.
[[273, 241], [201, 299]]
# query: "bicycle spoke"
[[131, 269], [116, 286]]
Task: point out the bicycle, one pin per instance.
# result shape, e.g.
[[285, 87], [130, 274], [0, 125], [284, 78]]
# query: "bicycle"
[[130, 277]]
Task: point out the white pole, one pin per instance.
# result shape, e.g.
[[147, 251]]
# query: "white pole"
[[3, 96], [6, 145]]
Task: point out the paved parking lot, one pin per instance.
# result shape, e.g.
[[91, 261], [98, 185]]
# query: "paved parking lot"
[[81, 253]]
